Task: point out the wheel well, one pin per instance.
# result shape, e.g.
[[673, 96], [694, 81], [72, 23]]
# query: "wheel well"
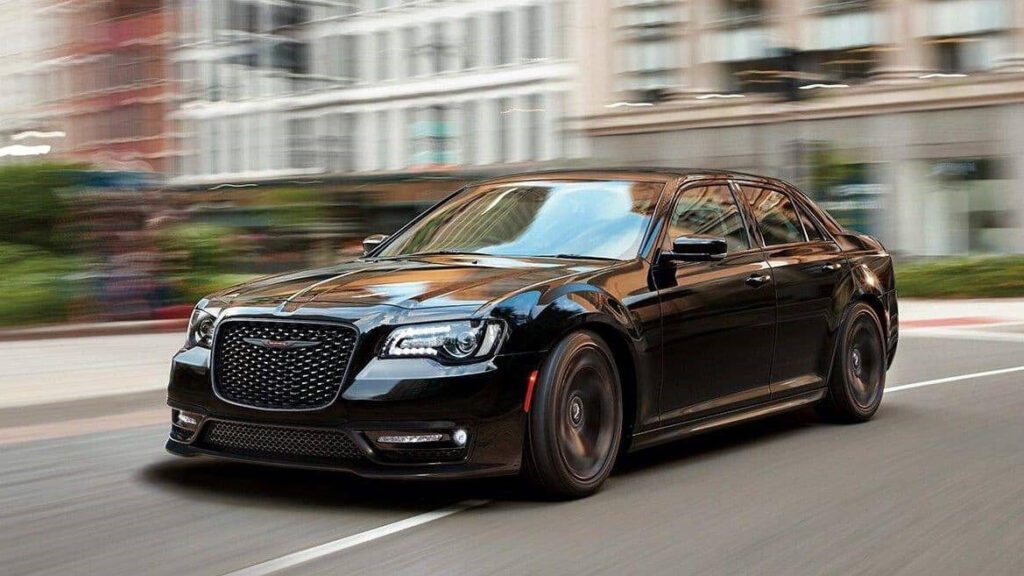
[[627, 374], [876, 305]]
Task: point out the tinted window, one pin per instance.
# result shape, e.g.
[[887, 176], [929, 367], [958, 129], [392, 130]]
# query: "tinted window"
[[708, 211], [776, 217], [813, 234], [598, 219]]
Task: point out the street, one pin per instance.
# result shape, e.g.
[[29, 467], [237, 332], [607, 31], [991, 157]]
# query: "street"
[[933, 485]]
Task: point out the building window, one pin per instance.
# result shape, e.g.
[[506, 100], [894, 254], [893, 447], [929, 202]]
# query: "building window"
[[383, 56], [350, 59], [559, 29], [965, 55], [534, 48], [502, 38], [504, 129], [383, 133], [303, 143], [741, 12], [840, 65], [470, 58], [469, 127], [648, 54], [535, 114], [409, 55], [213, 147]]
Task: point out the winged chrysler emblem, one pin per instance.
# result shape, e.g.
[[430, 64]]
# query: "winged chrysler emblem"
[[280, 344]]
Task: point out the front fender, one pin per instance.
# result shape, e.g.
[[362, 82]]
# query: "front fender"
[[539, 320]]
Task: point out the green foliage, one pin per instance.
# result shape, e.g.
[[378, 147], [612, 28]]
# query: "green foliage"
[[292, 206], [980, 277], [30, 206], [827, 168], [197, 286], [201, 247], [36, 286]]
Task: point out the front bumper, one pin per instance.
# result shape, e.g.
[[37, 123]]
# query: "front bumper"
[[385, 397]]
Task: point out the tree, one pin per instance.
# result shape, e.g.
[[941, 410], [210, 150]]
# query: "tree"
[[30, 204]]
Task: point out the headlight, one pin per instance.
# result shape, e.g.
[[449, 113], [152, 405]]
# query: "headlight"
[[463, 341], [200, 329]]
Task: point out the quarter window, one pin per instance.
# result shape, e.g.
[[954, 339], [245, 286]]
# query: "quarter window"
[[813, 234], [776, 216], [709, 211]]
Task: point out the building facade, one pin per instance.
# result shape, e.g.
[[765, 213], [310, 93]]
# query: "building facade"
[[99, 82], [299, 89], [904, 117], [23, 133]]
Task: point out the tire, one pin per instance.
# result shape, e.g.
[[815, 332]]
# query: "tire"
[[574, 428], [857, 381]]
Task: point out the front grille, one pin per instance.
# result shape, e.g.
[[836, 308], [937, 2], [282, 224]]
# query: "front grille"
[[253, 366], [278, 442]]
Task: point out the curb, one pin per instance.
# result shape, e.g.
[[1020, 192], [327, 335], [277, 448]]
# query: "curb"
[[97, 329]]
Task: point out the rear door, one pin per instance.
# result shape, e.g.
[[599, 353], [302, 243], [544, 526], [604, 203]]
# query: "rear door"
[[806, 267], [718, 317]]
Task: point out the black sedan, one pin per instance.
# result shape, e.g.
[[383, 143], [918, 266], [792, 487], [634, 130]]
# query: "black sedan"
[[544, 324]]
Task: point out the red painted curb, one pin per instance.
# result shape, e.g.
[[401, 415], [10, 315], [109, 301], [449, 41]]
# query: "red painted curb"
[[948, 322]]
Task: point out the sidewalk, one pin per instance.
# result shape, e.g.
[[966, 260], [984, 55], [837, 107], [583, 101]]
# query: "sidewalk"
[[92, 329], [959, 312]]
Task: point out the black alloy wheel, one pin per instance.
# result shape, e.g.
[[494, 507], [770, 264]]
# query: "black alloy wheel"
[[575, 423], [858, 374]]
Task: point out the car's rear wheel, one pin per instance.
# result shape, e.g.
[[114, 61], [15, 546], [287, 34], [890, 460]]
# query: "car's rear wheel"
[[575, 420], [858, 374]]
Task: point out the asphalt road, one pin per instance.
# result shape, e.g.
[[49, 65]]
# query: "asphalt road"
[[933, 485]]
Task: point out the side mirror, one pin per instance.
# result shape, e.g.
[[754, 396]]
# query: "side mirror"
[[696, 249], [371, 242]]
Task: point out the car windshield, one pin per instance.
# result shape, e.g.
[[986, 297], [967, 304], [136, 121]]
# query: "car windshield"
[[582, 219]]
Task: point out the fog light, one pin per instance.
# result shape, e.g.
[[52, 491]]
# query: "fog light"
[[410, 438], [460, 437], [186, 420]]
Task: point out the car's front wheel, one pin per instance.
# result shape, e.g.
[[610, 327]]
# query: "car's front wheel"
[[858, 372], [575, 420]]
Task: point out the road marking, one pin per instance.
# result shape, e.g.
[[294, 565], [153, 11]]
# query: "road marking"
[[303, 556], [954, 379]]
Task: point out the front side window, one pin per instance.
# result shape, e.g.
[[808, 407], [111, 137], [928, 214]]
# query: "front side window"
[[776, 216], [708, 211], [606, 219]]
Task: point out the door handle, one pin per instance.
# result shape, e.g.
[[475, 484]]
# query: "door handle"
[[758, 280], [831, 267]]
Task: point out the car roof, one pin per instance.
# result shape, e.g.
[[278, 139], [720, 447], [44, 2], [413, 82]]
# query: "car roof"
[[646, 173]]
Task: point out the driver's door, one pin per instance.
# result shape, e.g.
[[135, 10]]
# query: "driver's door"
[[718, 317]]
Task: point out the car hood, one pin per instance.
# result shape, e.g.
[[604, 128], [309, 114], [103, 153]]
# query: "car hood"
[[423, 282]]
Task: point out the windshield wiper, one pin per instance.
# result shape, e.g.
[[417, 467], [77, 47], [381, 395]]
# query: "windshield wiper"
[[435, 253], [578, 257]]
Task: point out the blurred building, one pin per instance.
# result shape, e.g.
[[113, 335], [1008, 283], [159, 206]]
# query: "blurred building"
[[275, 90], [904, 117], [100, 82], [23, 133]]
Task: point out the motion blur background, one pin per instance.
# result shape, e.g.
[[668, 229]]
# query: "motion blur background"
[[153, 151]]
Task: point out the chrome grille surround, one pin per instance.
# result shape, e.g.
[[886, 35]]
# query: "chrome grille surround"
[[247, 371]]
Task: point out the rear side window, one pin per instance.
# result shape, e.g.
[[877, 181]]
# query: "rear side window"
[[708, 211], [776, 216], [813, 234]]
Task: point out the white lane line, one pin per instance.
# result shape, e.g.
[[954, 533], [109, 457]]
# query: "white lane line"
[[303, 556], [954, 379], [309, 554]]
